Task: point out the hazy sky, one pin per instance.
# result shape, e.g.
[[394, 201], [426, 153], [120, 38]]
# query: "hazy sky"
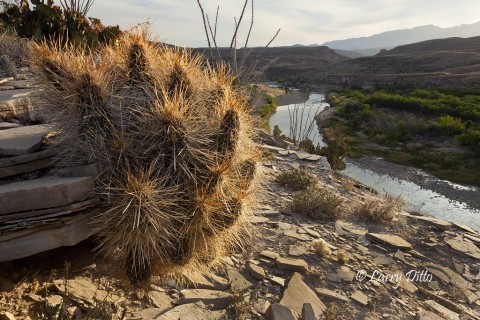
[[302, 21]]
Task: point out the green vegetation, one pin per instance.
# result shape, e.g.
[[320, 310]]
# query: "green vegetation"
[[429, 129], [41, 19]]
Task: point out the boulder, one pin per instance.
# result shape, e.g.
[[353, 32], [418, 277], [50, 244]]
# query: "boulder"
[[43, 193], [279, 312], [298, 265], [297, 293], [22, 140]]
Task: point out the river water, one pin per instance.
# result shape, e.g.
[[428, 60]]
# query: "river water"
[[418, 196]]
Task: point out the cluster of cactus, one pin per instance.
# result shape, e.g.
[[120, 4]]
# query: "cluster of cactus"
[[48, 21], [172, 140]]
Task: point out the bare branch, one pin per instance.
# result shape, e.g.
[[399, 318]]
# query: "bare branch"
[[216, 22], [206, 30], [212, 35], [234, 38]]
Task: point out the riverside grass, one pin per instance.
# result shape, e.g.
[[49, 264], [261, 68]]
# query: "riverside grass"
[[172, 141]]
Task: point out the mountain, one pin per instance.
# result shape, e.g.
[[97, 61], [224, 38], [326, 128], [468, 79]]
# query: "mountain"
[[440, 63], [405, 36]]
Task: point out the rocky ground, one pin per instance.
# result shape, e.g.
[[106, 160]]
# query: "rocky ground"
[[414, 268]]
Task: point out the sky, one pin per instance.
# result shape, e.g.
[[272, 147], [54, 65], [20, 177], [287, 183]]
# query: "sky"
[[306, 22]]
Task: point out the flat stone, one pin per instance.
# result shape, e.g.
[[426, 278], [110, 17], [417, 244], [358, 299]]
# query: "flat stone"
[[278, 281], [297, 293], [312, 233], [399, 255], [436, 223], [331, 294], [285, 226], [346, 274], [296, 251], [150, 313], [448, 276], [356, 230], [26, 158], [43, 193], [257, 220], [360, 297], [393, 241], [464, 247], [441, 310], [383, 260], [408, 286], [464, 228], [160, 300], [219, 299], [22, 140], [256, 271], [472, 238], [307, 312], [9, 125], [84, 290], [269, 254], [277, 311], [238, 282], [25, 168], [298, 265], [295, 235], [199, 280], [427, 315], [196, 311]]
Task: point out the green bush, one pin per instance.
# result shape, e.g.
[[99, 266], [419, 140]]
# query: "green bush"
[[449, 126], [296, 180], [42, 19], [318, 203]]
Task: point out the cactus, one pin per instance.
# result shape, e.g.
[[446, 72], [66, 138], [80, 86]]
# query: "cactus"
[[172, 139]]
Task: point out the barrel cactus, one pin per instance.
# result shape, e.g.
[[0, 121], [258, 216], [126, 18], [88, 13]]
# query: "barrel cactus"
[[171, 138]]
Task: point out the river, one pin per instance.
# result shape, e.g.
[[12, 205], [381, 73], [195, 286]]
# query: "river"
[[422, 192]]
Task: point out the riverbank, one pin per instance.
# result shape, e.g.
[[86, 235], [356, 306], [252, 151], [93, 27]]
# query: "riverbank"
[[467, 195], [293, 97]]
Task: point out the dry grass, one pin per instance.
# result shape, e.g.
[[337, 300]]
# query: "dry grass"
[[318, 203], [173, 140], [296, 180], [379, 210], [320, 247], [342, 256]]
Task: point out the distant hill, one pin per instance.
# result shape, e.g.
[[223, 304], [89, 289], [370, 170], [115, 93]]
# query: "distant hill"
[[405, 36], [449, 44], [286, 62], [349, 54], [448, 63]]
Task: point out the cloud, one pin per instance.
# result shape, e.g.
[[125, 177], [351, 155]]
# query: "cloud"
[[301, 21]]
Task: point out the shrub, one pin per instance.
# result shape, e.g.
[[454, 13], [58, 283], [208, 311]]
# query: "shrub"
[[379, 210], [296, 180], [318, 203], [449, 126]]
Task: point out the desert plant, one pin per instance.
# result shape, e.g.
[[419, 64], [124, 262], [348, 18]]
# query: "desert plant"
[[296, 180], [172, 139], [318, 203], [379, 210], [342, 256], [320, 247]]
